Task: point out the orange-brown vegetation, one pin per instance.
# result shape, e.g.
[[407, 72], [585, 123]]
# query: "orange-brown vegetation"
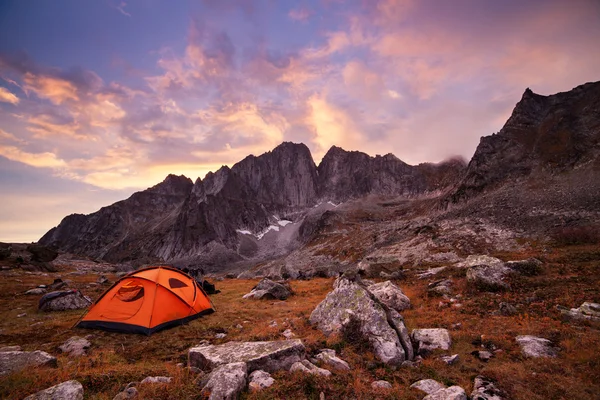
[[570, 275]]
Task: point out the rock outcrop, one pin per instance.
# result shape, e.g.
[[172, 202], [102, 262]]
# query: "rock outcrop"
[[13, 361], [268, 356], [225, 382], [427, 340], [534, 347], [267, 289], [351, 306], [64, 300], [390, 295]]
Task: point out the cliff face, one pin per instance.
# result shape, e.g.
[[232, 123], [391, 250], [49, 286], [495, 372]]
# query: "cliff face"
[[544, 133]]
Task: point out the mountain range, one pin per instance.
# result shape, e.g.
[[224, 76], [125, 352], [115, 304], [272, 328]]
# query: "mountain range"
[[267, 208]]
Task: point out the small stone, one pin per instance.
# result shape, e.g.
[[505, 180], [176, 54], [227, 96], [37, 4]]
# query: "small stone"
[[260, 380], [484, 389], [273, 324], [329, 358], [428, 386], [36, 291], [451, 393], [306, 367], [427, 340], [127, 394], [381, 385], [288, 334], [239, 326], [75, 346], [483, 355], [21, 315], [532, 346], [507, 309], [156, 379], [220, 335], [450, 360]]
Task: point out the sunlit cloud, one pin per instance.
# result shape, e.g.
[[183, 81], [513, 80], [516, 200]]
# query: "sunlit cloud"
[[41, 160], [8, 97], [300, 14]]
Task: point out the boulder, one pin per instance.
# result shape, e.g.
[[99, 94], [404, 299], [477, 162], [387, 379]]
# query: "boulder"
[[440, 288], [13, 361], [10, 348], [41, 253], [269, 356], [75, 346], [329, 358], [36, 291], [587, 311], [372, 267], [381, 385], [390, 295], [488, 277], [534, 347], [64, 300], [430, 272], [57, 285], [507, 309], [268, 289], [428, 386], [483, 355], [70, 390], [427, 340], [307, 367], [259, 380], [474, 260], [225, 383], [127, 394], [451, 393], [484, 389], [351, 304], [529, 267], [156, 379]]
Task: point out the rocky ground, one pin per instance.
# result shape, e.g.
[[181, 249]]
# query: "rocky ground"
[[534, 336]]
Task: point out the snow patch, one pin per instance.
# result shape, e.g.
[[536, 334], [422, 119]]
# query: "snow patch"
[[243, 232], [333, 204], [270, 228], [284, 222]]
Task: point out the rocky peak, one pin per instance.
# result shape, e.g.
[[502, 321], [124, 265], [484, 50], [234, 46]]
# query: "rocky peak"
[[173, 185]]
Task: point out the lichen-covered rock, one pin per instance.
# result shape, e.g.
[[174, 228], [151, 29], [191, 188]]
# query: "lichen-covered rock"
[[381, 385], [64, 300], [485, 389], [430, 272], [260, 380], [36, 291], [329, 358], [351, 302], [269, 356], [307, 367], [534, 347], [127, 394], [13, 361], [451, 393], [488, 277], [528, 267], [390, 295], [427, 340], [428, 386], [587, 311], [267, 289], [156, 379], [225, 382], [450, 360], [440, 288], [70, 390], [76, 346]]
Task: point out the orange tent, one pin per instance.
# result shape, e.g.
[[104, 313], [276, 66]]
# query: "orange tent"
[[148, 300]]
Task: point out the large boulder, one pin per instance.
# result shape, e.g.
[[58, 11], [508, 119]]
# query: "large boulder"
[[225, 382], [587, 311], [70, 390], [488, 274], [13, 361], [440, 288], [350, 304], [76, 346], [528, 267], [374, 266], [390, 295], [427, 340], [485, 389], [534, 347], [451, 393], [474, 260], [268, 289], [268, 356], [64, 300]]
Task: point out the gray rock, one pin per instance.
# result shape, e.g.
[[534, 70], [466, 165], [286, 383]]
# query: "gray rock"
[[156, 379], [288, 334], [390, 295], [485, 389], [350, 301], [13, 361], [70, 390], [428, 386], [483, 355], [76, 346], [427, 340], [225, 382], [430, 272], [451, 393], [507, 309], [474, 260], [267, 289], [440, 288], [450, 360], [374, 267], [58, 284], [127, 394], [529, 267], [488, 276], [260, 380], [220, 335], [21, 315], [329, 358], [307, 367], [268, 356], [587, 311], [102, 280], [36, 291], [10, 348], [381, 385], [533, 347], [63, 300]]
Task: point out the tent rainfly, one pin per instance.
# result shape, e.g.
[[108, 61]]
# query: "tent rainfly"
[[148, 300]]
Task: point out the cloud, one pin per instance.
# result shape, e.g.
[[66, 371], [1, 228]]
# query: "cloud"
[[7, 96], [41, 160], [121, 8], [301, 14], [10, 137]]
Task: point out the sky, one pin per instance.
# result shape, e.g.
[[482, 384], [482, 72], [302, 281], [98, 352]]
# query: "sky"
[[102, 98]]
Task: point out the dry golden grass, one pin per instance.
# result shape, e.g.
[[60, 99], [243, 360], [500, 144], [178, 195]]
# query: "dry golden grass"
[[570, 276]]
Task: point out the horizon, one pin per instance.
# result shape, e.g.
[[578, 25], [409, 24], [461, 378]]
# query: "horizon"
[[102, 99]]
